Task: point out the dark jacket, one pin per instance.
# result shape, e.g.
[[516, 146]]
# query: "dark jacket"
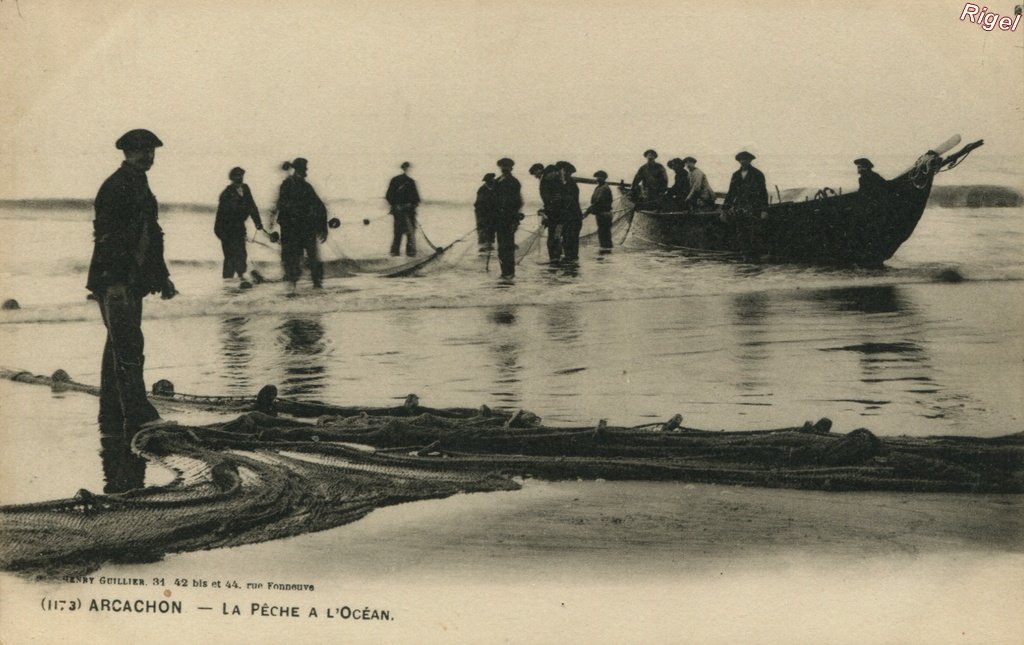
[[601, 200], [508, 197], [299, 207], [871, 183], [232, 210], [565, 201], [750, 194], [653, 178], [681, 187], [549, 188], [402, 193], [486, 201], [128, 241]]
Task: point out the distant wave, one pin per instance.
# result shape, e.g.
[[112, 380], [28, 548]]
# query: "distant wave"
[[73, 204]]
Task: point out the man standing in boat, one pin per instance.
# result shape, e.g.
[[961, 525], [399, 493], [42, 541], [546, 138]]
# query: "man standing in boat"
[[700, 197], [233, 208], [650, 181], [483, 208], [127, 265], [403, 198], [549, 179], [872, 185], [508, 199], [748, 193], [303, 219], [601, 207]]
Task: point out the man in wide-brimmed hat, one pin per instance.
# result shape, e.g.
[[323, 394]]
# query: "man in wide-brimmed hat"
[[127, 264], [675, 197], [601, 207], [650, 181], [747, 190]]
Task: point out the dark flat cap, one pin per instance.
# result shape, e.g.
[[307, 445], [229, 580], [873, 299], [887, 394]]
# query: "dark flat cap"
[[689, 159], [565, 165], [740, 156], [405, 165], [138, 140], [537, 167], [864, 162], [505, 162], [237, 170], [675, 161], [600, 174], [489, 177], [651, 152]]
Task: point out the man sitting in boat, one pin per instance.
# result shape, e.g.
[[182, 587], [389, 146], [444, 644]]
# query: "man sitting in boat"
[[650, 181], [871, 183], [748, 193], [675, 198], [700, 197]]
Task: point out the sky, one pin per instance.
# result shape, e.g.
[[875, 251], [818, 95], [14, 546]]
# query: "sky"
[[357, 87]]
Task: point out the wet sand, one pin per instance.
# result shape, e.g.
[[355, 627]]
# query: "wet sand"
[[621, 562]]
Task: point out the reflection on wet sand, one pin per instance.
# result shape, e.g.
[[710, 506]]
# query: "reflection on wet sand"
[[237, 350], [304, 356], [751, 315], [505, 345]]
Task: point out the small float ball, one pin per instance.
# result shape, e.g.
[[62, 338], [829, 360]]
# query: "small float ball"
[[275, 237], [60, 376], [334, 222], [11, 304], [366, 221], [245, 284], [163, 387]]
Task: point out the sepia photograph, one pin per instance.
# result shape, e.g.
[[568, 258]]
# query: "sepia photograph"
[[529, 322]]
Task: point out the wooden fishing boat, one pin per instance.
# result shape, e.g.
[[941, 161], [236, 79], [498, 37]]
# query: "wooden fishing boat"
[[830, 229]]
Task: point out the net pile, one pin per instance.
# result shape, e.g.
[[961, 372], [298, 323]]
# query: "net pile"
[[265, 475]]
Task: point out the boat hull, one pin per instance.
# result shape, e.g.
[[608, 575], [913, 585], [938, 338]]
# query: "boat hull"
[[850, 229]]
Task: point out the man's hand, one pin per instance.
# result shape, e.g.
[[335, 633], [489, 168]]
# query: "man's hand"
[[168, 291], [322, 237]]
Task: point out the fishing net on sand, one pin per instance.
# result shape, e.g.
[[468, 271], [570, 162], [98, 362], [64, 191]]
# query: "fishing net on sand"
[[285, 467]]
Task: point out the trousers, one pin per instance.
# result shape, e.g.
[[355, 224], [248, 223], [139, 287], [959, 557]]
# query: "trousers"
[[293, 244], [235, 256], [122, 388], [405, 224], [505, 229], [571, 238], [604, 229]]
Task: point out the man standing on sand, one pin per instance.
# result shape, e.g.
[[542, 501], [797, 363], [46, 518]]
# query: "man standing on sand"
[[403, 198], [508, 199], [127, 265], [233, 208]]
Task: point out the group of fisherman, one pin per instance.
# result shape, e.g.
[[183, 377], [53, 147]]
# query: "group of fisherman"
[[128, 261]]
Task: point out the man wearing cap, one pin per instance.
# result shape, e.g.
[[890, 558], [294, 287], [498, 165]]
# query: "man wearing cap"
[[675, 198], [127, 265], [700, 196], [601, 207], [483, 208], [233, 208], [508, 201], [549, 179], [303, 219], [403, 198], [871, 183], [748, 193], [650, 181], [565, 209]]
